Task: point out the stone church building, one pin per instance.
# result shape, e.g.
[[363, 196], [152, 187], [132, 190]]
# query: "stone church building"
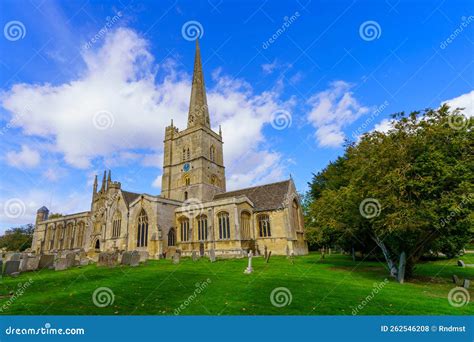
[[194, 212]]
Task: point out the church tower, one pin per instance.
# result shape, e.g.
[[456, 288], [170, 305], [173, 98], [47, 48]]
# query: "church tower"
[[193, 165]]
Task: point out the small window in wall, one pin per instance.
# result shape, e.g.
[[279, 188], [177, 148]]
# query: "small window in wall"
[[184, 154], [171, 237], [202, 227], [184, 225], [185, 195], [264, 226], [224, 226]]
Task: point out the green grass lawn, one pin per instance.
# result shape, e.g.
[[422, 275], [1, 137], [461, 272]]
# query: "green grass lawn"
[[333, 286]]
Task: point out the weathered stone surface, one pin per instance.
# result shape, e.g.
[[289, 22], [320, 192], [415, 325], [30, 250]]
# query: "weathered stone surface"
[[176, 258], [194, 255], [15, 257], [61, 264], [108, 259], [70, 258], [30, 263], [135, 259], [143, 256], [126, 258], [455, 279], [11, 266], [461, 263], [212, 255], [46, 261], [466, 283]]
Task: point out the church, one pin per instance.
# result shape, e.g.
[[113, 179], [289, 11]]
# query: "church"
[[193, 214]]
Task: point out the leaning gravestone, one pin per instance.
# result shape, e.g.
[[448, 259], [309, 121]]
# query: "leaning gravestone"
[[461, 263], [11, 266], [31, 263], [212, 255], [194, 255], [401, 268], [70, 258], [61, 264], [265, 252], [15, 257], [455, 279], [46, 261], [134, 259], [176, 258], [126, 258], [466, 283]]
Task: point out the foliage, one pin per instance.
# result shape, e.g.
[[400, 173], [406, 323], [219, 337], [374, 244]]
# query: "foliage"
[[54, 215], [419, 176], [17, 238]]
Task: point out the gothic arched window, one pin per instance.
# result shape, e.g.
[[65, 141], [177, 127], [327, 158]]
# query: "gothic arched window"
[[187, 180], [171, 237], [245, 225], [264, 226], [184, 225], [202, 227], [296, 215], [116, 224], [80, 234], [142, 229], [224, 226]]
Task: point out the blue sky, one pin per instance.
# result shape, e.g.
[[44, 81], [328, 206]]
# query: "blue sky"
[[287, 80]]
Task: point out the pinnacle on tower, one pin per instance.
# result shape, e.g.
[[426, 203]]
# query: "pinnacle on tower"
[[102, 188], [109, 179], [95, 184], [198, 110]]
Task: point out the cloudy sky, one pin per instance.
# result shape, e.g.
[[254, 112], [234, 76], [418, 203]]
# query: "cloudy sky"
[[86, 87]]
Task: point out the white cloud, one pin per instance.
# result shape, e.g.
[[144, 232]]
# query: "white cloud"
[[331, 111], [157, 182], [384, 126], [26, 158], [464, 101], [120, 81], [268, 68]]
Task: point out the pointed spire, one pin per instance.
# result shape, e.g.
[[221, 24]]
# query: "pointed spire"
[[109, 178], [198, 110], [102, 188], [95, 184]]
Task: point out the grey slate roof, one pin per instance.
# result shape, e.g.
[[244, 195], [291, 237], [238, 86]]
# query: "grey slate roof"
[[264, 197], [129, 197]]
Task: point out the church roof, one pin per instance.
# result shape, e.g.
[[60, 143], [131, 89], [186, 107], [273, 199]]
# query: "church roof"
[[264, 197], [129, 197]]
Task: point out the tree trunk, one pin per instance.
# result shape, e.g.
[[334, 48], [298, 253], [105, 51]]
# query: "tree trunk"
[[391, 265]]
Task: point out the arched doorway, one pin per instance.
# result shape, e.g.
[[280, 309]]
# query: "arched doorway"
[[97, 244]]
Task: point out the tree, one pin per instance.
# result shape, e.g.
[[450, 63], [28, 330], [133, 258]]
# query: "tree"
[[406, 192], [17, 238]]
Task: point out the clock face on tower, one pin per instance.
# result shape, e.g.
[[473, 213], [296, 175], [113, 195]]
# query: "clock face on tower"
[[186, 167]]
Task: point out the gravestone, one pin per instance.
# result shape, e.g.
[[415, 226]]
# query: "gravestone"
[[466, 283], [287, 251], [126, 258], [15, 257], [32, 263], [170, 253], [70, 258], [11, 266], [61, 264], [461, 263], [455, 279], [135, 259], [212, 255], [194, 255], [46, 261], [201, 249], [401, 268], [268, 257], [143, 256], [249, 268], [176, 258]]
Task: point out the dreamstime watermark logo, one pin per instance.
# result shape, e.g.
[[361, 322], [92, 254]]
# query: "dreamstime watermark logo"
[[14, 208], [456, 211], [104, 29], [18, 293], [192, 30], [280, 297], [287, 21], [103, 120], [465, 21], [102, 297], [362, 128], [458, 122], [370, 208], [458, 296], [370, 30], [14, 30], [376, 288], [281, 119], [200, 287], [192, 207]]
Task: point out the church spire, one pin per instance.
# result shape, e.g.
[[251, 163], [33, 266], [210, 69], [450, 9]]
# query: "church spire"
[[198, 110]]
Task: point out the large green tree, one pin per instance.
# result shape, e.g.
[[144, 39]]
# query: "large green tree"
[[405, 193], [17, 238]]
